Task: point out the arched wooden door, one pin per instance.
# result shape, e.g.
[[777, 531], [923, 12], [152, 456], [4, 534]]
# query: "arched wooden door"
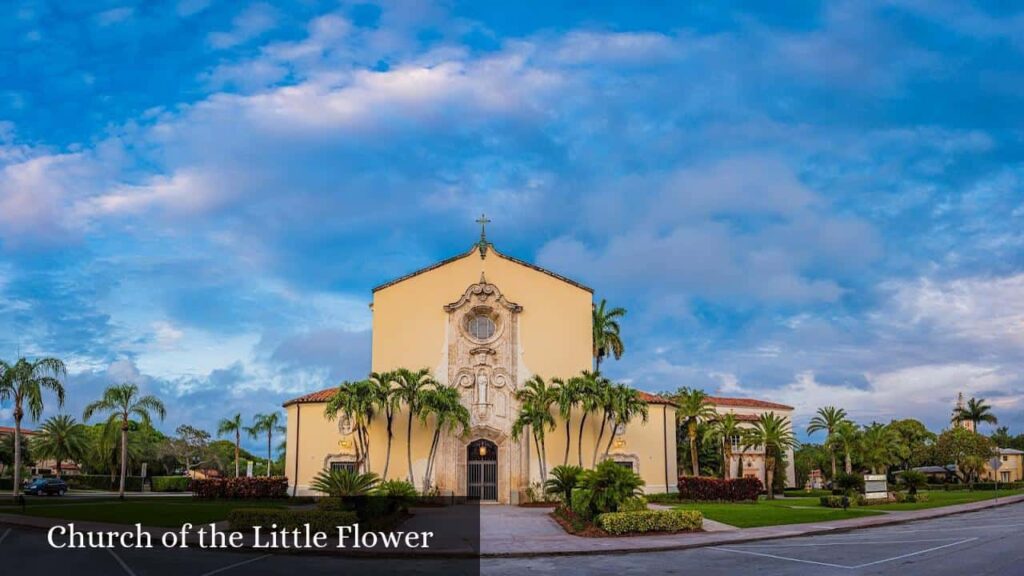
[[482, 470]]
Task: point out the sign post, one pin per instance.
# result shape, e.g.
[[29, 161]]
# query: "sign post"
[[248, 470]]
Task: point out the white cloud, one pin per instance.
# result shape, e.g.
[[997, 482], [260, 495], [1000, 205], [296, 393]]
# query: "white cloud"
[[251, 23]]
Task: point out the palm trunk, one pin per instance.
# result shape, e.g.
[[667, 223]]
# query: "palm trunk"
[[408, 446], [17, 451], [238, 440], [387, 454], [769, 477], [269, 451], [568, 437], [833, 465], [600, 436], [849, 464], [540, 458], [124, 459], [694, 460], [727, 450], [579, 443], [58, 467], [365, 435], [611, 440], [430, 459]]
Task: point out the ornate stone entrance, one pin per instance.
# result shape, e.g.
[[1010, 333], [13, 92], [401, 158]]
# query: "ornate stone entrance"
[[482, 471]]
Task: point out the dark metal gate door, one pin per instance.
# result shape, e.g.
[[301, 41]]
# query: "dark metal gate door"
[[482, 471]]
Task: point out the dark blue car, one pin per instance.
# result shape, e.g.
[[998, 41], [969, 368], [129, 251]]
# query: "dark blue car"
[[46, 487]]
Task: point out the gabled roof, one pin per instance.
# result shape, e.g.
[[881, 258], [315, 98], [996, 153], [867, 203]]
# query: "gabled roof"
[[474, 250], [1009, 451], [655, 399], [746, 403]]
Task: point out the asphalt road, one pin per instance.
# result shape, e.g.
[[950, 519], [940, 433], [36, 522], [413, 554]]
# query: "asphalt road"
[[985, 542]]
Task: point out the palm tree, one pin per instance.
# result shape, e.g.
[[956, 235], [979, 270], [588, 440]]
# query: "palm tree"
[[606, 401], [60, 438], [266, 423], [607, 341], [344, 483], [122, 402], [976, 412], [535, 400], [387, 401], [232, 426], [409, 387], [444, 403], [588, 390], [357, 401], [878, 443], [566, 398], [827, 419], [627, 405], [775, 435], [693, 409], [24, 382], [722, 432], [846, 437]]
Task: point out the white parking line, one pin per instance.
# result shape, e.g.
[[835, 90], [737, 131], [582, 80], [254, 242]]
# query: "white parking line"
[[844, 567], [236, 565], [6, 532], [846, 543], [121, 562], [919, 552]]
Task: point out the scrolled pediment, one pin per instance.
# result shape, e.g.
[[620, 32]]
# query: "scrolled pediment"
[[483, 291]]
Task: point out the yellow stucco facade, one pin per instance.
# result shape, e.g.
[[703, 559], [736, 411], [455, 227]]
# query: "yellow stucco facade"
[[1011, 467], [485, 323]]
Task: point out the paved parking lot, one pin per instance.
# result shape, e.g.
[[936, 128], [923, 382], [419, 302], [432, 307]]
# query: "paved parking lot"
[[985, 542]]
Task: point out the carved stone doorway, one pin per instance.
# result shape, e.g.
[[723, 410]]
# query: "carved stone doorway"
[[482, 470]]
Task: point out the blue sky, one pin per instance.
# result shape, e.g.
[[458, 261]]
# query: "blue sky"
[[817, 203]]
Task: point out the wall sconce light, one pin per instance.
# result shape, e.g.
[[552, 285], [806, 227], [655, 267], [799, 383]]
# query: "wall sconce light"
[[483, 450]]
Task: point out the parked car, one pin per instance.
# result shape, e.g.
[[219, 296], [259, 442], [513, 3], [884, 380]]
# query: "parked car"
[[47, 486]]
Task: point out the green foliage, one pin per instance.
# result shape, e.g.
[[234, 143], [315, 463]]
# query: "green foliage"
[[609, 486], [913, 480], [340, 483], [913, 441], [968, 450], [102, 482], [607, 339], [810, 457], [169, 483], [976, 411], [775, 435], [562, 482], [650, 521], [396, 489], [837, 501], [849, 483], [580, 503], [60, 438], [634, 504], [318, 520]]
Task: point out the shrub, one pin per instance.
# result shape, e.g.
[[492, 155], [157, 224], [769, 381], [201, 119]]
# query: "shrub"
[[103, 482], [634, 504], [609, 485], [699, 488], [345, 482], [563, 480], [169, 483], [835, 501], [399, 489], [849, 483], [240, 488], [318, 520], [650, 521], [913, 480], [580, 503]]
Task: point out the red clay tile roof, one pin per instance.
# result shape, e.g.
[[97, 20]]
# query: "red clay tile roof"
[[10, 430], [746, 403], [325, 395]]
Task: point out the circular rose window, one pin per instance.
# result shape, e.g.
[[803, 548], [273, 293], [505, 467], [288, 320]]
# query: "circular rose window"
[[480, 326]]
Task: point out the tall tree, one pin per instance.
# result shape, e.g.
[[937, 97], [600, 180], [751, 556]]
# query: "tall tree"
[[444, 405], [535, 401], [388, 402], [773, 434], [976, 411], [692, 410], [266, 424], [409, 387], [627, 405], [605, 402], [878, 447], [567, 398], [588, 386], [846, 437], [357, 401], [913, 441], [607, 339], [61, 438], [826, 420], [723, 430], [23, 383], [122, 402], [232, 426]]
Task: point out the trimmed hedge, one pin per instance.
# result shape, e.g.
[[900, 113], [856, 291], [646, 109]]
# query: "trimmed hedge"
[[169, 483], [650, 521], [319, 520], [836, 501], [704, 489], [241, 488], [103, 482], [634, 504]]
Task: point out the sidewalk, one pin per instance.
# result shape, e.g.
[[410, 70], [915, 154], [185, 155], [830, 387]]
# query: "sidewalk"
[[510, 531]]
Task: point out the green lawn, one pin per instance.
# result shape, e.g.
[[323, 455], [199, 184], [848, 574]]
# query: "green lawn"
[[775, 512], [941, 498], [147, 511]]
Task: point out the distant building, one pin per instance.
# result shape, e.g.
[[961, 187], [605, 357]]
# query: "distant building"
[[1010, 467], [750, 463], [956, 420], [43, 467]]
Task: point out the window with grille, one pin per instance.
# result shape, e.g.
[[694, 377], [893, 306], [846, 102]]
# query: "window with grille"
[[350, 466], [625, 463], [481, 327]]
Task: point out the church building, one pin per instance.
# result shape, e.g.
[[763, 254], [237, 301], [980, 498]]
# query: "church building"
[[484, 322]]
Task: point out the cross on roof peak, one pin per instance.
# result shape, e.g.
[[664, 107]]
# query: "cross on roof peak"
[[483, 221]]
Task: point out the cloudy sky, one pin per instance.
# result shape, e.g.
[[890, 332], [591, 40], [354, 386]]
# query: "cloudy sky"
[[818, 203]]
